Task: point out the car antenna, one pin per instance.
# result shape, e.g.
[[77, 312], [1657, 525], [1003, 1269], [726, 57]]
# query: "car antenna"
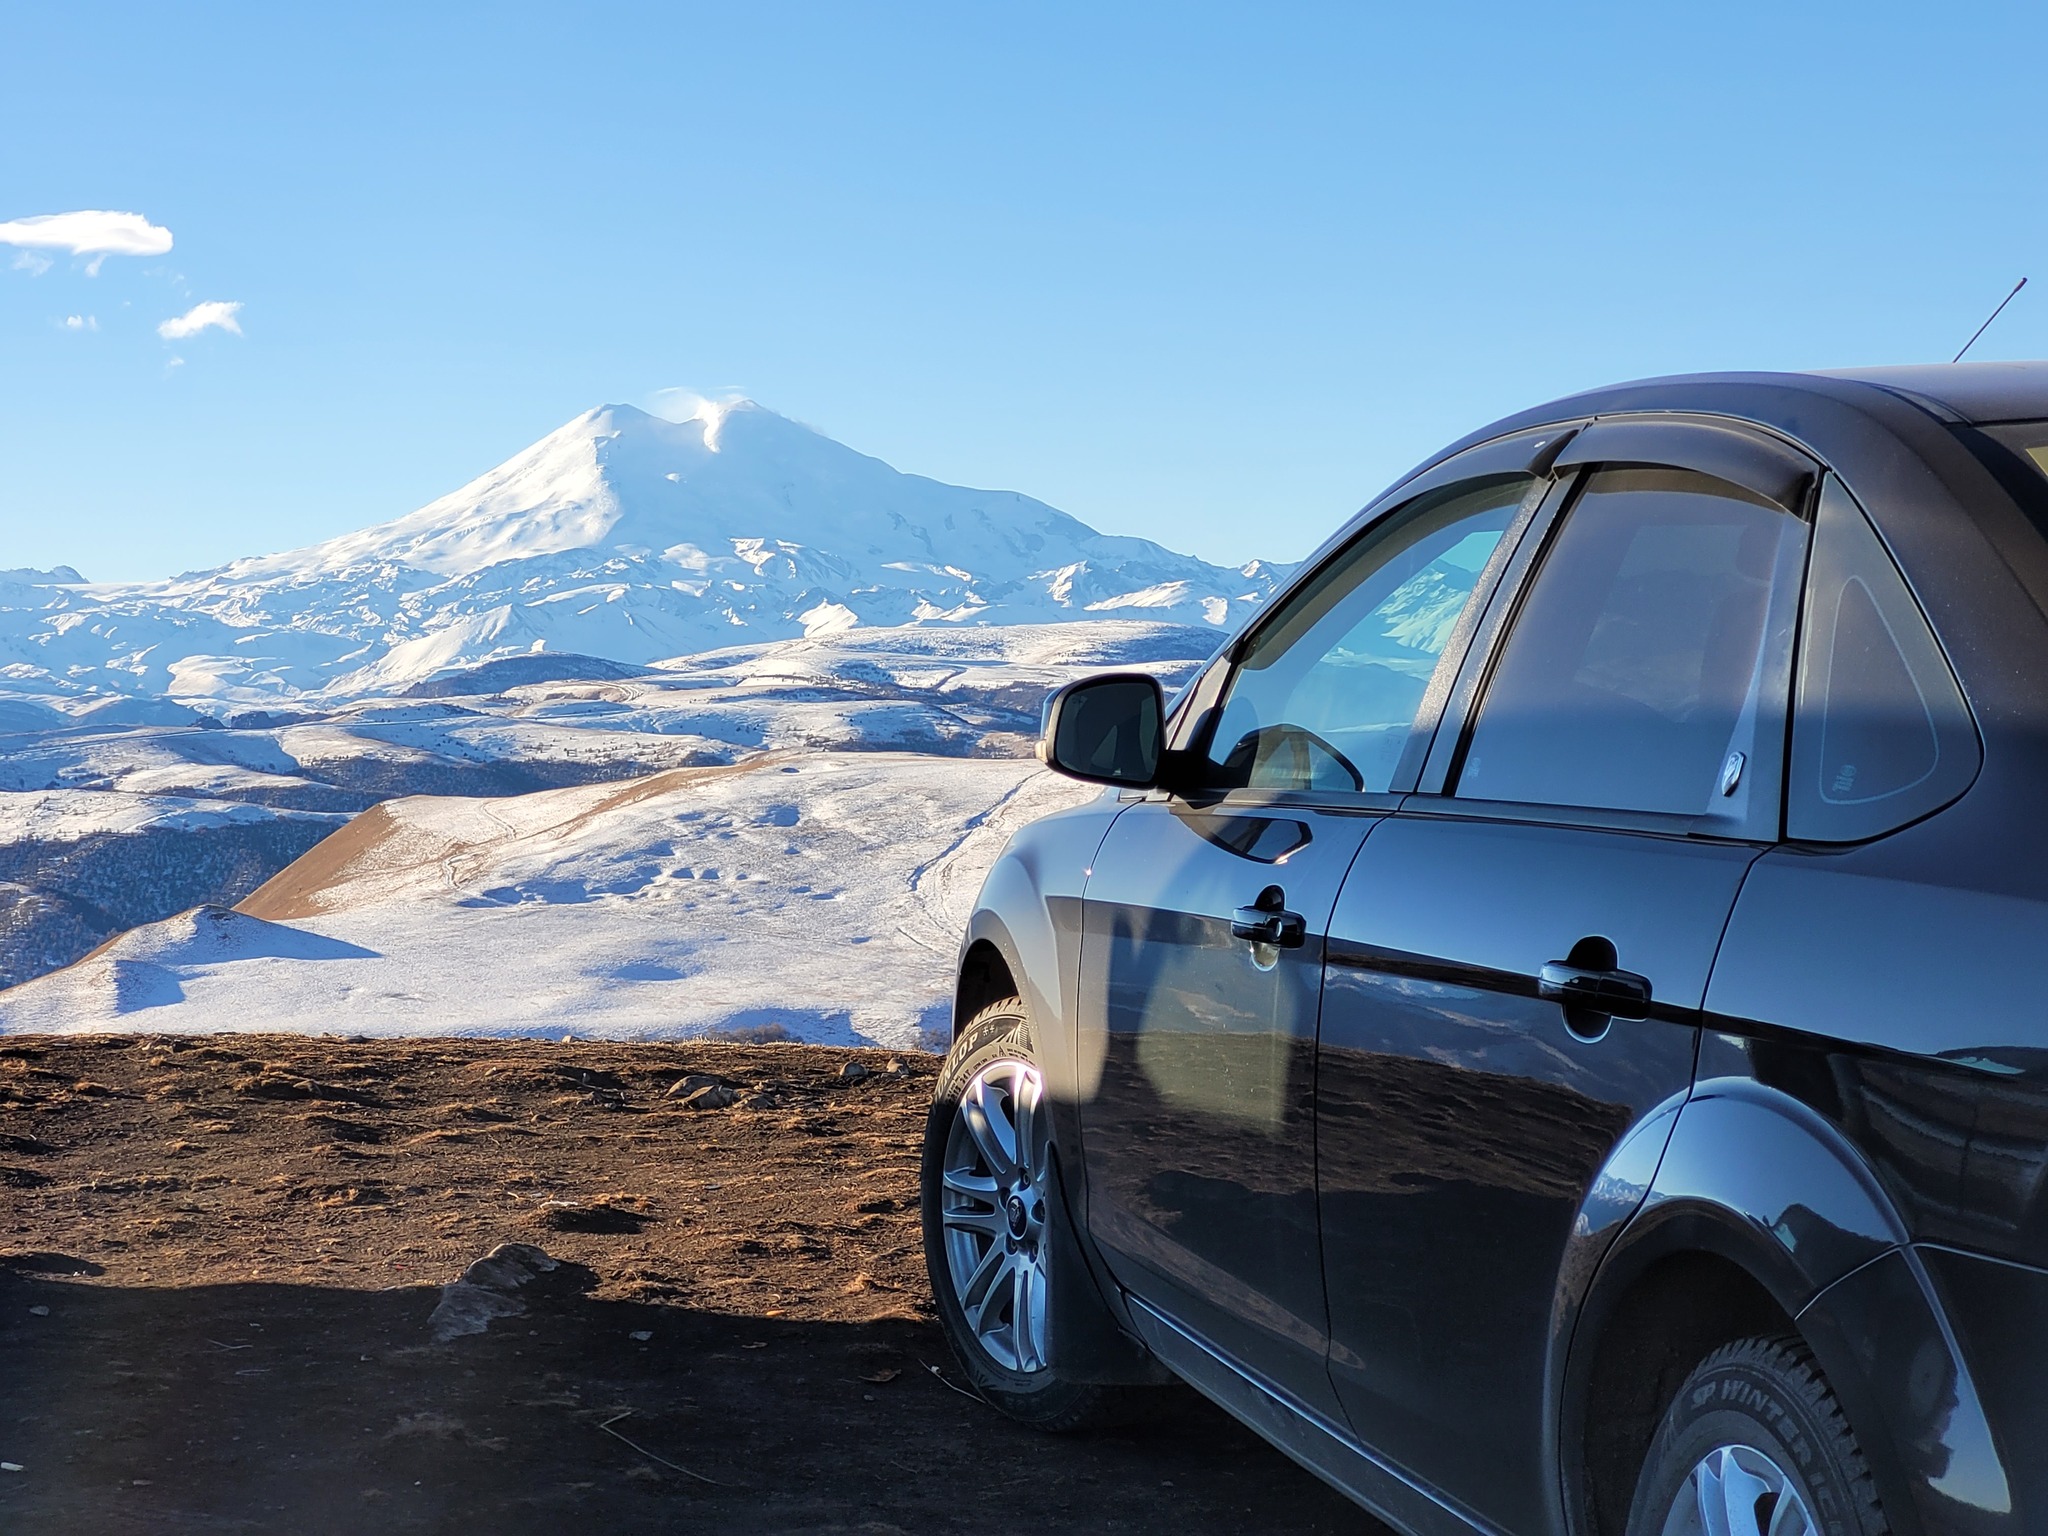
[[2016, 287]]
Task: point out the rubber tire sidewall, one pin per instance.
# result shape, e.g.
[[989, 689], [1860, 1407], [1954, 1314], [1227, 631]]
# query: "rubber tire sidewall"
[[1044, 1399], [1766, 1394]]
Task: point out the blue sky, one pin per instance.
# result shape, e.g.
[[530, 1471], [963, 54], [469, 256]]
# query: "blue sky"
[[1208, 274]]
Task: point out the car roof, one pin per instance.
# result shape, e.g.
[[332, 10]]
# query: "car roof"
[[1970, 393], [1975, 392]]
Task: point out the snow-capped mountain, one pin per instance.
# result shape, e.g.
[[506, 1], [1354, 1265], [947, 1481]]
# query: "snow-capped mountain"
[[621, 535]]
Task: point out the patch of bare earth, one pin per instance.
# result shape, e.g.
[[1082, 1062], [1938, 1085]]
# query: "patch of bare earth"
[[219, 1257]]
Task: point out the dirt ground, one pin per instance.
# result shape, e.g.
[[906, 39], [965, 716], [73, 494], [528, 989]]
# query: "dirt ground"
[[221, 1260]]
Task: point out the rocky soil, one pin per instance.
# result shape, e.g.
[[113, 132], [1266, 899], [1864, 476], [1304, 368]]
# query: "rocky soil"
[[240, 1291]]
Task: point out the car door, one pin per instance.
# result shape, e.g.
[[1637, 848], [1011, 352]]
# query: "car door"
[[1201, 970], [1518, 957]]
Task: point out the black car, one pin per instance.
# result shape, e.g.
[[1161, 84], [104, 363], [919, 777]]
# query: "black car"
[[1548, 1028]]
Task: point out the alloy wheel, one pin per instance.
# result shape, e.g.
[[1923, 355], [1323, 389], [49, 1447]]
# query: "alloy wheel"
[[992, 1206], [1737, 1490]]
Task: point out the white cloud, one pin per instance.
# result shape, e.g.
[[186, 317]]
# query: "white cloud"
[[218, 312], [87, 231], [81, 322], [687, 405], [31, 263]]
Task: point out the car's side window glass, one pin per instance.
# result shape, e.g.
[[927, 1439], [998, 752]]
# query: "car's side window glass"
[[1646, 667], [1881, 735], [1326, 693]]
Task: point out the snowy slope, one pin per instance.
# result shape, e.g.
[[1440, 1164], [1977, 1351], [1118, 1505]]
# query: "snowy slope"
[[823, 893], [76, 865], [622, 536], [146, 795], [968, 691]]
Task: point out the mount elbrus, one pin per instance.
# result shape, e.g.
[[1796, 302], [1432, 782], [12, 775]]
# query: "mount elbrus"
[[621, 535]]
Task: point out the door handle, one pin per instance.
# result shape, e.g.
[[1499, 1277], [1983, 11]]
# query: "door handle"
[[1267, 921], [1616, 993]]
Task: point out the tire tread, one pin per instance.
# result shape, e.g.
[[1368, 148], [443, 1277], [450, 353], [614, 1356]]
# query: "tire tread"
[[1785, 1357]]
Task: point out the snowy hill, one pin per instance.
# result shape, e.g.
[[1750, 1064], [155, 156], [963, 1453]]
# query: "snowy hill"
[[821, 893], [111, 816], [621, 536]]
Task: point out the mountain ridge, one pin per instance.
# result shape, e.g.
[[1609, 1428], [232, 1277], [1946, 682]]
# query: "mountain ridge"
[[623, 535]]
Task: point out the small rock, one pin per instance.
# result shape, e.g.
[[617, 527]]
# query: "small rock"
[[710, 1096], [38, 1311], [683, 1087], [853, 1072], [640, 1337], [12, 1466], [896, 1068], [488, 1289]]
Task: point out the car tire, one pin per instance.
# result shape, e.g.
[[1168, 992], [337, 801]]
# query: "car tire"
[[1756, 1424], [991, 1233]]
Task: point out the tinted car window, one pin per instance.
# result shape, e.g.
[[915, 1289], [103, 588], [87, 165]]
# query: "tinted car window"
[[2027, 438], [1325, 695], [1881, 735], [1631, 677]]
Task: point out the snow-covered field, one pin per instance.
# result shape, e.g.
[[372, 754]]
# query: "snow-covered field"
[[105, 823], [958, 692], [823, 893]]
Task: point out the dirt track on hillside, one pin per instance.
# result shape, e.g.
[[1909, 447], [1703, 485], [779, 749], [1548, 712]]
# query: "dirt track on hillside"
[[219, 1258]]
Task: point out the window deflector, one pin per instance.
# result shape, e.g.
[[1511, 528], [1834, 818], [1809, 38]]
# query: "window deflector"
[[1770, 469]]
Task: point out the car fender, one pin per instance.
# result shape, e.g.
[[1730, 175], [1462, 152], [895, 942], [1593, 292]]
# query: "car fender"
[[1757, 1177], [1883, 1336], [1751, 1175], [1029, 912]]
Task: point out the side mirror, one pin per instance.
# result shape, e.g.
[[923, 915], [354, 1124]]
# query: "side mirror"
[[1105, 730]]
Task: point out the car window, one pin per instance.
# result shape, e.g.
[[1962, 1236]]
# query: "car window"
[[1325, 695], [2026, 438], [1880, 735], [1638, 671]]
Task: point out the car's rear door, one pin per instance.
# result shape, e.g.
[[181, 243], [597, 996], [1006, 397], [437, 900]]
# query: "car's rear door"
[[1518, 957], [1202, 957]]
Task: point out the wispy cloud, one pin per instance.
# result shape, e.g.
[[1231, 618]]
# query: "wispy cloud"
[[687, 405], [220, 312], [87, 232], [81, 322], [31, 263]]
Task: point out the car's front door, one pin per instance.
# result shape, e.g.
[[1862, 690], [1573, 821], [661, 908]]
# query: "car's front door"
[[1202, 957], [1517, 962]]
